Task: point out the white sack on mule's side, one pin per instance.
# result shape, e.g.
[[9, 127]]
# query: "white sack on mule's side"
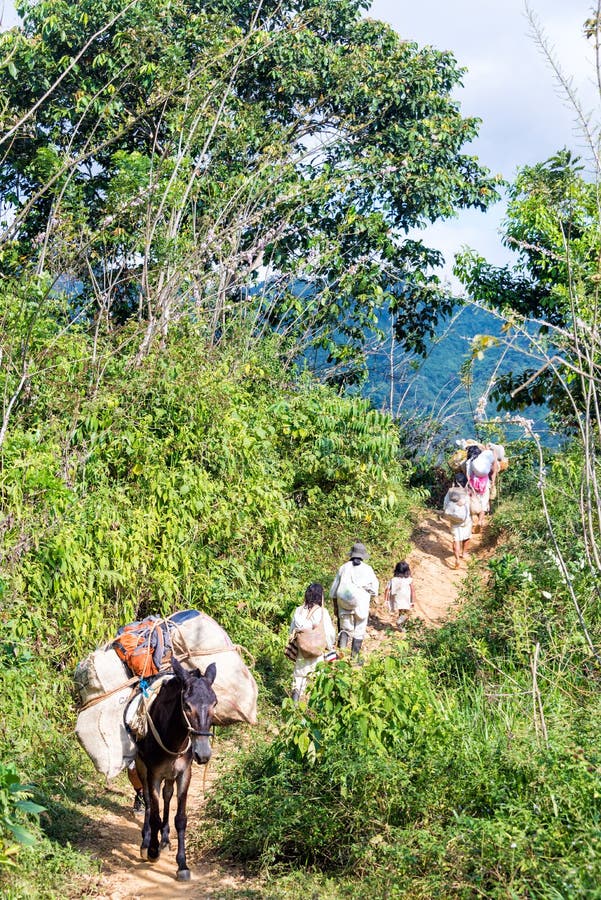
[[199, 640], [101, 731], [104, 682], [98, 674]]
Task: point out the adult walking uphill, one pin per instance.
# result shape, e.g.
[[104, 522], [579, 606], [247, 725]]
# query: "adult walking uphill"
[[481, 464], [478, 468], [311, 634], [354, 586], [457, 511]]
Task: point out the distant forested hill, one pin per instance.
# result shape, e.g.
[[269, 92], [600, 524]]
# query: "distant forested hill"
[[434, 386]]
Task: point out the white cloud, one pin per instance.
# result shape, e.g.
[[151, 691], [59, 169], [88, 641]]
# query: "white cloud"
[[8, 15], [509, 85]]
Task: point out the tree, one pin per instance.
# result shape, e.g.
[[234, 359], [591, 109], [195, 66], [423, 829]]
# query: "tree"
[[173, 156], [550, 295]]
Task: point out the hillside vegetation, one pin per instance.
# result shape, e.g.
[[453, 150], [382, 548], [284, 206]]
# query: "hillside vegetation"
[[210, 479], [170, 173], [462, 763]]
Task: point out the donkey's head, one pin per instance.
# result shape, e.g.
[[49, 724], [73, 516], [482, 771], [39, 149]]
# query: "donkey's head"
[[198, 707]]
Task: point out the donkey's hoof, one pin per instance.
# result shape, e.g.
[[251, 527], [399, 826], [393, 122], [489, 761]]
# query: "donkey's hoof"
[[183, 875], [143, 852]]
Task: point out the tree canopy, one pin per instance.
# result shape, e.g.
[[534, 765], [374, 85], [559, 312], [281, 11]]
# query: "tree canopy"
[[180, 158]]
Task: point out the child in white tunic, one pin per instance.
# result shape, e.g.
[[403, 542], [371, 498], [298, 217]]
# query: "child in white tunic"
[[400, 592]]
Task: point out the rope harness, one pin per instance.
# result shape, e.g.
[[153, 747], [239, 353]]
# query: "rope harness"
[[191, 731]]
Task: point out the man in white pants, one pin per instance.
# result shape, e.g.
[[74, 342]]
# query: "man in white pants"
[[354, 586]]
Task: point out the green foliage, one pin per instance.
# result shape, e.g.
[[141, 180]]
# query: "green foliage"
[[15, 806], [549, 297], [157, 454], [447, 770], [206, 478], [166, 153], [189, 482], [340, 770], [413, 789], [386, 708]]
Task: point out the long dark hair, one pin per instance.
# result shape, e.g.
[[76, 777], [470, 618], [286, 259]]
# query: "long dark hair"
[[402, 570], [314, 595]]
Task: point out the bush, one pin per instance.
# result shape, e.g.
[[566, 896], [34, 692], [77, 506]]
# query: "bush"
[[343, 769], [16, 806], [195, 480]]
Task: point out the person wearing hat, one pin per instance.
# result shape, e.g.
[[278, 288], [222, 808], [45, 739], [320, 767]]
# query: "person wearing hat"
[[354, 586]]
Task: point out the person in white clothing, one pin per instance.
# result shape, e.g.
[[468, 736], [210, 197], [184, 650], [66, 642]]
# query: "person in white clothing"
[[498, 451], [305, 618], [400, 592], [478, 470], [354, 586], [461, 532]]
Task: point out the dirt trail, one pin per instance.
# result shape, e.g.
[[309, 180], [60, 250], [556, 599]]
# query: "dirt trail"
[[115, 840], [114, 836], [437, 582]]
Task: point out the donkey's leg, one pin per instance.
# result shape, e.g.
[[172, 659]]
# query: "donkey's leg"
[[143, 775], [154, 783], [145, 831], [167, 795], [181, 820]]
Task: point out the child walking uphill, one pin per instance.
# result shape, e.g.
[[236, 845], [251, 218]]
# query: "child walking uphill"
[[400, 592]]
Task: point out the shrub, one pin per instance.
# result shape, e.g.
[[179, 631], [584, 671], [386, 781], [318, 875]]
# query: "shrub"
[[16, 806], [344, 768]]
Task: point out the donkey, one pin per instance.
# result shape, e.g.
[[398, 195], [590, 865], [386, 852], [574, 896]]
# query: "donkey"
[[179, 730]]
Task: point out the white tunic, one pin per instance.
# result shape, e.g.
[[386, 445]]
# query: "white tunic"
[[364, 579], [303, 620]]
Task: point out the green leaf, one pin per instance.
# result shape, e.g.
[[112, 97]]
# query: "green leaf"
[[28, 806]]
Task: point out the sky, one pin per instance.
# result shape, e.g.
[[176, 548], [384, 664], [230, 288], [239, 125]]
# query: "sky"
[[508, 84]]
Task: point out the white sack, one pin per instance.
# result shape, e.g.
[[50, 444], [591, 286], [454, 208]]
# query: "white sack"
[[483, 463], [200, 641], [98, 674], [101, 731], [197, 643]]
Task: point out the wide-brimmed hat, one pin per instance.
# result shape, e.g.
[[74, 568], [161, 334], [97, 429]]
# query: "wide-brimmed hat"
[[358, 551]]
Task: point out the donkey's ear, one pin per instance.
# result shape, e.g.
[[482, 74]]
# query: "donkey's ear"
[[210, 673], [178, 670]]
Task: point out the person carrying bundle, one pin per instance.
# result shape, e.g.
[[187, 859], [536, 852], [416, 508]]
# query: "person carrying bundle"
[[478, 470], [499, 465], [315, 633], [457, 511], [354, 586]]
